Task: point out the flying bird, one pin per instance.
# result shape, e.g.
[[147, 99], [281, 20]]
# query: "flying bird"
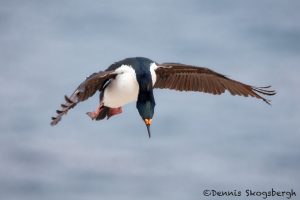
[[133, 80]]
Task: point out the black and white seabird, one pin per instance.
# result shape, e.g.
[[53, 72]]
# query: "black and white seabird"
[[133, 80]]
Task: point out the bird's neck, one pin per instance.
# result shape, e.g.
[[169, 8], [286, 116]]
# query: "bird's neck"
[[145, 102], [145, 90]]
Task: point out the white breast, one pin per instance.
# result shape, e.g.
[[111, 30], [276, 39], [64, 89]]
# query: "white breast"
[[123, 89]]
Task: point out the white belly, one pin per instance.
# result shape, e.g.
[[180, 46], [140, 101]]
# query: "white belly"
[[121, 90]]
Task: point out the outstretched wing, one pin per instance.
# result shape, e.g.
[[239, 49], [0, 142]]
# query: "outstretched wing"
[[183, 77], [86, 89]]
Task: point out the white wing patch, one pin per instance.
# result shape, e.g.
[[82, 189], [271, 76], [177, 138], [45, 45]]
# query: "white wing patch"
[[153, 67]]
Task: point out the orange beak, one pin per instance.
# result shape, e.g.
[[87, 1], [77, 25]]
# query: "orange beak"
[[148, 123]]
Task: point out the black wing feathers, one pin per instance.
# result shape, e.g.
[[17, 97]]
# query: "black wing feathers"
[[86, 89], [183, 77]]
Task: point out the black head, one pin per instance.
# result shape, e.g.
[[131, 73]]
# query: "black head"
[[145, 102], [146, 111]]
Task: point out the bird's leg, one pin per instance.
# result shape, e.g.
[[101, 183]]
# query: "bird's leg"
[[94, 115], [114, 111]]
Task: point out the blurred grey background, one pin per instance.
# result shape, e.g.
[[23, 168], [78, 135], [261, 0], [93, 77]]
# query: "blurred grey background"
[[199, 141]]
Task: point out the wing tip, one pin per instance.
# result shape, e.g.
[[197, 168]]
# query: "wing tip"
[[54, 121], [268, 101], [68, 99], [265, 90]]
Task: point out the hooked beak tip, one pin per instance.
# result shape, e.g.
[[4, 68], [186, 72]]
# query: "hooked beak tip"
[[148, 129]]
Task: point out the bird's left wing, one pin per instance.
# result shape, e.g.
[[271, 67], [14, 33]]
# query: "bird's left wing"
[[86, 89], [183, 77]]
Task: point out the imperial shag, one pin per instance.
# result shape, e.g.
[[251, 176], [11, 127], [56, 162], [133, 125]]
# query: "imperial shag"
[[133, 80]]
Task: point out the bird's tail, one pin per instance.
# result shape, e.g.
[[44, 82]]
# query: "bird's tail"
[[100, 113], [103, 113]]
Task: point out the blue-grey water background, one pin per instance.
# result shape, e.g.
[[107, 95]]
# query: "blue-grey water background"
[[199, 141]]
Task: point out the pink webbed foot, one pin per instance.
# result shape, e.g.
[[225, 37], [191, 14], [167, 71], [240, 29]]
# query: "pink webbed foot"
[[95, 114], [114, 111], [102, 111]]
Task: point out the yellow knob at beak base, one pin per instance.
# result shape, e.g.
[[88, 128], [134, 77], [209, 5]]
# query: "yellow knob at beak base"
[[148, 121]]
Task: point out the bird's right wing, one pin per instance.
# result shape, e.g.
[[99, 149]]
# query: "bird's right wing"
[[86, 89]]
